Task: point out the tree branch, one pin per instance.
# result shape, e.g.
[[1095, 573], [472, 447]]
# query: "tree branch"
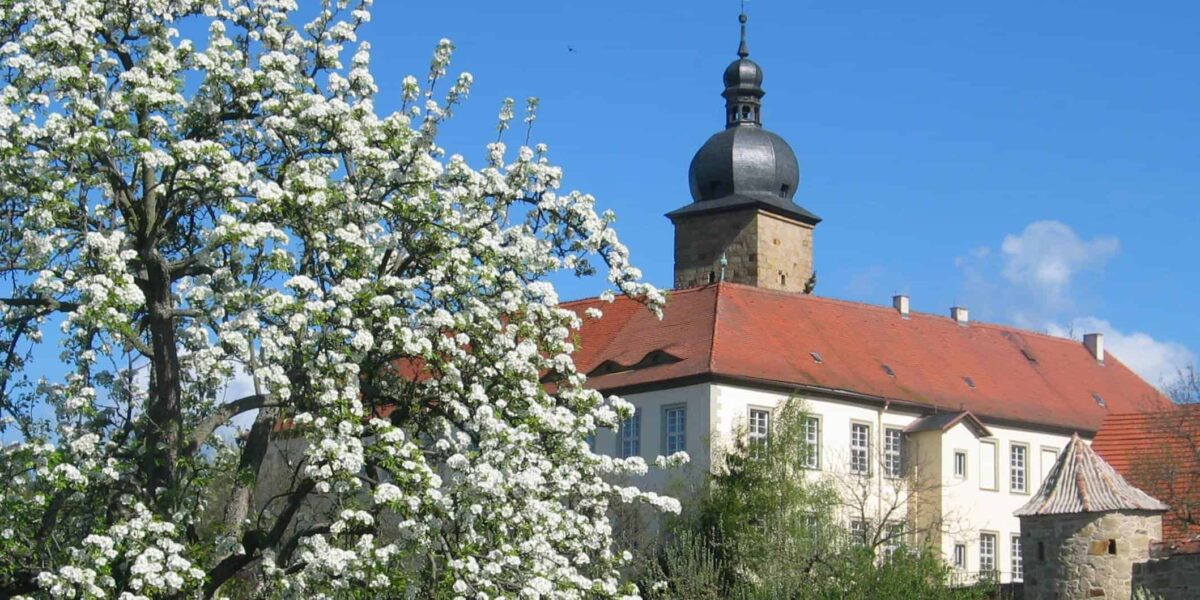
[[226, 412]]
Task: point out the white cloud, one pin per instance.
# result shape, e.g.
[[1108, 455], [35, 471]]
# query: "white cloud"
[[1035, 281], [1158, 362], [1047, 255]]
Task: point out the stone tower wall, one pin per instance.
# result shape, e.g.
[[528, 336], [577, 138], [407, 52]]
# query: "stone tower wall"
[[762, 249], [1085, 556]]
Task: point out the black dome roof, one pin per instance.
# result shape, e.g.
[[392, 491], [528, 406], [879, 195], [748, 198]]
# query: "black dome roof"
[[747, 161], [744, 165]]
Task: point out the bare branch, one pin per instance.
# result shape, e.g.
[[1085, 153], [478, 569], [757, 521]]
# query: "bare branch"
[[223, 414]]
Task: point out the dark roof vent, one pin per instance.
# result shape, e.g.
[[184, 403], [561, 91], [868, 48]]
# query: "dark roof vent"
[[652, 359], [889, 371], [970, 382], [1028, 356], [1099, 400], [816, 356]]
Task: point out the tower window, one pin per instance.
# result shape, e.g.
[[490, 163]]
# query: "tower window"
[[712, 277], [783, 190], [782, 279]]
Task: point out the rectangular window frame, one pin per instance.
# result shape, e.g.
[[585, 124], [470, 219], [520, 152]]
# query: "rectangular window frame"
[[1016, 558], [674, 441], [629, 435], [1045, 468], [758, 432], [858, 532], [960, 556], [988, 541], [811, 429], [995, 444], [860, 449], [960, 471], [895, 538], [893, 457], [1018, 474]]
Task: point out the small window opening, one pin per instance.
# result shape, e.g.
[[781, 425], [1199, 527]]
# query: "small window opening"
[[816, 356], [1041, 551], [783, 190], [1099, 400], [712, 277], [745, 113], [970, 382], [1112, 546], [889, 371], [782, 279]]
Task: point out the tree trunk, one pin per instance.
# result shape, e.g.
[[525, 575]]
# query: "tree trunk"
[[164, 413]]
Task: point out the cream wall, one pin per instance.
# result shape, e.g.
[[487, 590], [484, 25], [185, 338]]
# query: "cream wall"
[[948, 509], [698, 401], [970, 510]]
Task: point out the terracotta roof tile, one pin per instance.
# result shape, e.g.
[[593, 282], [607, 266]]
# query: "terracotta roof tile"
[[1158, 452], [750, 333]]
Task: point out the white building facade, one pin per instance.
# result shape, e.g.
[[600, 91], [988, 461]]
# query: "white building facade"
[[954, 488]]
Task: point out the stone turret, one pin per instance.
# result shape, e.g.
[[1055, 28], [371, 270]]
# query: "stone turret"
[[1084, 530]]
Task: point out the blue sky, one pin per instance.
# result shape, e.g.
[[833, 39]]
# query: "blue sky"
[[1035, 162]]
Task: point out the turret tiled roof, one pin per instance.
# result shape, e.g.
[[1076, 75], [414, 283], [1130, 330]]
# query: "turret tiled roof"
[[1081, 482]]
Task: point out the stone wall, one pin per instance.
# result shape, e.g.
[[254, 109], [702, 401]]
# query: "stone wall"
[[1085, 556], [762, 249], [1172, 578]]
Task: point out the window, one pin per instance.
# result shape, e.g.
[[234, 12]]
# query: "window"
[[860, 448], [812, 442], [987, 466], [960, 556], [760, 425], [1018, 567], [1049, 457], [960, 464], [1017, 466], [893, 452], [630, 434], [987, 553], [674, 429], [895, 539], [858, 532]]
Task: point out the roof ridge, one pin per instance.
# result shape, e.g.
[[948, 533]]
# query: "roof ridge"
[[618, 297], [712, 341]]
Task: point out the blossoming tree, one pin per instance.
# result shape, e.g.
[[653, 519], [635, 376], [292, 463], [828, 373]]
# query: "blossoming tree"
[[179, 212]]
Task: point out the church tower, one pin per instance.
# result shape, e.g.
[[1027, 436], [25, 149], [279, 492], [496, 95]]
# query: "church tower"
[[742, 225]]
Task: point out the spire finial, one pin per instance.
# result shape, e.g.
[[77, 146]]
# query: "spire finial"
[[743, 49]]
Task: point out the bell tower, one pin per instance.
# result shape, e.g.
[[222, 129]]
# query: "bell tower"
[[742, 225]]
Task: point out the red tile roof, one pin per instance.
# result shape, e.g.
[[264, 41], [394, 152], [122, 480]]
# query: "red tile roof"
[[741, 332], [1160, 453]]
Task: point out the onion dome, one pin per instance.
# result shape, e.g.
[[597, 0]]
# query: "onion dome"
[[744, 165]]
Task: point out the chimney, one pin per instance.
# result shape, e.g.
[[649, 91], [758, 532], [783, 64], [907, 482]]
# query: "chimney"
[[1095, 344], [900, 303], [959, 314]]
